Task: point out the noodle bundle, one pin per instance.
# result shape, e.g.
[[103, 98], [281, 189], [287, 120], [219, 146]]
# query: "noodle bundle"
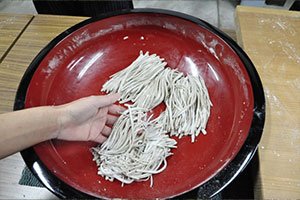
[[138, 147], [135, 150], [187, 107], [135, 82]]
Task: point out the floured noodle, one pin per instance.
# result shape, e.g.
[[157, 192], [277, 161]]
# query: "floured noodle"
[[135, 81], [147, 83], [138, 146], [135, 150], [188, 107]]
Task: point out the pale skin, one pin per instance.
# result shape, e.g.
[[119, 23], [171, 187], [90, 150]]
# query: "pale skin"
[[86, 119]]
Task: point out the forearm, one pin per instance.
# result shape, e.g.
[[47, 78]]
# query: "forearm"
[[25, 128], [82, 120]]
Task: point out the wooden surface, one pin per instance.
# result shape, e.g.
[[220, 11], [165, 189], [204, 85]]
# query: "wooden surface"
[[11, 27], [40, 31], [271, 38], [37, 35]]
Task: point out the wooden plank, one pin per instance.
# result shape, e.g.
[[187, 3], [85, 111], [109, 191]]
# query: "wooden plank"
[[11, 26], [39, 33], [271, 40]]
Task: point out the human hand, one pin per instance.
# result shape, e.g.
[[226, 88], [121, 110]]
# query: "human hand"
[[87, 119]]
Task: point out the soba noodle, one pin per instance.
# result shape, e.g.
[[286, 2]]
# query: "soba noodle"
[[138, 146], [135, 150], [135, 82]]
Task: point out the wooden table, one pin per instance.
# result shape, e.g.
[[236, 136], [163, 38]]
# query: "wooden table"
[[271, 38], [11, 26], [37, 35]]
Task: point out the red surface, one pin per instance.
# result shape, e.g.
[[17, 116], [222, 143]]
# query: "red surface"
[[80, 64]]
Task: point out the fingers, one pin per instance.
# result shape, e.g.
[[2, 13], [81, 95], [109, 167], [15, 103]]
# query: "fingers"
[[100, 138], [110, 120], [106, 131], [105, 100], [115, 109], [103, 116], [96, 100]]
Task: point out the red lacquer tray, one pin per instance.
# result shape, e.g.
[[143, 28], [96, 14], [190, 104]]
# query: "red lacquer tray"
[[79, 61]]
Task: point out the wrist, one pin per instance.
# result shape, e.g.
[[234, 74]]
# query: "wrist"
[[60, 118]]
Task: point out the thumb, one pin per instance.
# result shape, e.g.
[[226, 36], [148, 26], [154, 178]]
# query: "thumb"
[[105, 100]]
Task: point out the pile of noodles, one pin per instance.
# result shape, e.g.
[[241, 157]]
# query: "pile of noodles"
[[138, 146]]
